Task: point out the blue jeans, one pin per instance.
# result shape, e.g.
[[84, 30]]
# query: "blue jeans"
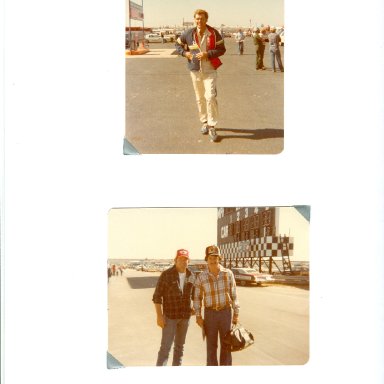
[[240, 47], [174, 332], [217, 323], [278, 59]]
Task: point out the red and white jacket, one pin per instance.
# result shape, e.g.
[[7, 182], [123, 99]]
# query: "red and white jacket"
[[189, 41]]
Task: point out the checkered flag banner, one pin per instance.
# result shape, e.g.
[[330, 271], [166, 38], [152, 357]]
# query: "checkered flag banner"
[[269, 246]]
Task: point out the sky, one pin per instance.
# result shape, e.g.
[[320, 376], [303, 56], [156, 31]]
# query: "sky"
[[157, 233], [229, 12]]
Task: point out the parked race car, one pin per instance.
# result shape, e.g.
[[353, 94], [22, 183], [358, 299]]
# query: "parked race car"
[[249, 276]]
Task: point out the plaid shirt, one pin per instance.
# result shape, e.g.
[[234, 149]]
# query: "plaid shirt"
[[217, 291], [176, 303]]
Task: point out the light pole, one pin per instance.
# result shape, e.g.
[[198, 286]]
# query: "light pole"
[[142, 9]]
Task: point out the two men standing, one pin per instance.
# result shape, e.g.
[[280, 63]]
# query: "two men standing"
[[213, 289]]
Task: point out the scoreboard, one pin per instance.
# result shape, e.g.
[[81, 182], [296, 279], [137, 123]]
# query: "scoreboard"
[[239, 224], [249, 235]]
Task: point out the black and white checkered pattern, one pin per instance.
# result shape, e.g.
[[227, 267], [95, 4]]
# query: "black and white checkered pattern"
[[269, 246]]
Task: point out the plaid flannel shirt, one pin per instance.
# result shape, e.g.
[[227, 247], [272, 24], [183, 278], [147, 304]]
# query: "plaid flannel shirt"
[[215, 291], [176, 303]]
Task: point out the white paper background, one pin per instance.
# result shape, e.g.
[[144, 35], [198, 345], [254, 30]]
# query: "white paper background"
[[64, 168]]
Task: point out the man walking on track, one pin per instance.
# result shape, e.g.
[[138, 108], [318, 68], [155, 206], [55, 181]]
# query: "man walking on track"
[[202, 46], [239, 38]]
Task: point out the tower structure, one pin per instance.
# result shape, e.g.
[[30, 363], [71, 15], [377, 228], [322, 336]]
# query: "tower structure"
[[249, 237]]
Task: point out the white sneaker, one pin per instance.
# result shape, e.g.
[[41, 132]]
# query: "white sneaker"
[[204, 129], [212, 134]]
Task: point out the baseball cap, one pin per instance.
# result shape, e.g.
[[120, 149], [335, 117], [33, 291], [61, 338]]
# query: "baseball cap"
[[182, 253], [212, 250]]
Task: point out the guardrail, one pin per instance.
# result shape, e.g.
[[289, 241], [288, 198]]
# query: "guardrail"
[[287, 279]]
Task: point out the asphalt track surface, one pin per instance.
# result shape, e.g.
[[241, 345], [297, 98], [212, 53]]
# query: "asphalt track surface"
[[161, 111], [277, 316]]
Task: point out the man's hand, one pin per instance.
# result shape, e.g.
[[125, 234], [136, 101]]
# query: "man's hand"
[[188, 55], [200, 321], [202, 56], [160, 321], [235, 319]]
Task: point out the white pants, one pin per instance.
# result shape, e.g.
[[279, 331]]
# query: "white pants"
[[204, 84]]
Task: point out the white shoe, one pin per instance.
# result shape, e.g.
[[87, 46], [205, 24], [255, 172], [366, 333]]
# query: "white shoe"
[[204, 129], [212, 134]]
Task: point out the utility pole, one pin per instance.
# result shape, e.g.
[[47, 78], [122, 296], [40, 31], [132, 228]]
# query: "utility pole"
[[130, 35], [142, 8]]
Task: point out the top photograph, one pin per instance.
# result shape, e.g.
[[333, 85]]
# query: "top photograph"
[[204, 77]]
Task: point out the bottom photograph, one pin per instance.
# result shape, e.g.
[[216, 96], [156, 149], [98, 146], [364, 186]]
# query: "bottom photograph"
[[208, 286]]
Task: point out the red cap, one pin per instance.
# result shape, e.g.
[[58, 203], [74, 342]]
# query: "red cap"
[[182, 253]]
